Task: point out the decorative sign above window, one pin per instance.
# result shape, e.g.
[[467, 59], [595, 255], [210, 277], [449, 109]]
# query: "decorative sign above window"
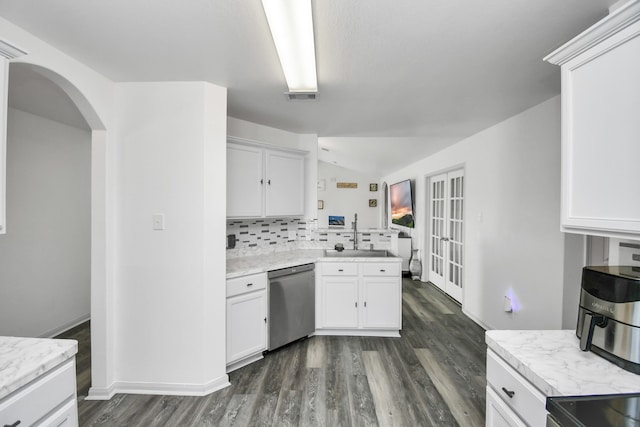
[[347, 185]]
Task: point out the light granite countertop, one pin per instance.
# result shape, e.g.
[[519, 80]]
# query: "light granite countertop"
[[24, 359], [553, 362], [241, 266]]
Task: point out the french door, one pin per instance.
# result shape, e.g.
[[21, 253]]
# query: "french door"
[[446, 211]]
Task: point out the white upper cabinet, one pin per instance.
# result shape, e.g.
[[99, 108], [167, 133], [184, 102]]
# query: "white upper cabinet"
[[600, 72], [245, 181], [263, 181], [284, 194]]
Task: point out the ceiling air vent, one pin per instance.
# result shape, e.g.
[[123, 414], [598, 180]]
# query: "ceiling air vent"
[[301, 96]]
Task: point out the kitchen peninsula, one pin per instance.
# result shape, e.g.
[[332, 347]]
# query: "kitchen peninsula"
[[526, 367], [38, 382]]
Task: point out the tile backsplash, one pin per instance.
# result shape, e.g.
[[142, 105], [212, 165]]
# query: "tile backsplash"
[[257, 236]]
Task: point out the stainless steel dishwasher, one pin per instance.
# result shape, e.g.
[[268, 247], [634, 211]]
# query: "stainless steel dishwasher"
[[292, 307]]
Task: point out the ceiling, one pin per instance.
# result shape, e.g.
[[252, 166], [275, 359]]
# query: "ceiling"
[[422, 73]]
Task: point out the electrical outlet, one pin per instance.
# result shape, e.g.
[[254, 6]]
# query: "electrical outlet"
[[507, 305]]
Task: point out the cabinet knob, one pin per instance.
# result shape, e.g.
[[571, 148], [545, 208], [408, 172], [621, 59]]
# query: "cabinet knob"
[[356, 304], [262, 181], [269, 182], [249, 284], [508, 392], [365, 304]]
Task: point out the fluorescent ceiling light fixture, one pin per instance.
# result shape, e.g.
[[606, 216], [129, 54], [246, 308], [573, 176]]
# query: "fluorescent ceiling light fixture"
[[291, 27]]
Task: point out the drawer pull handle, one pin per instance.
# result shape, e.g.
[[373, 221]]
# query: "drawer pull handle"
[[340, 270], [13, 425], [382, 271], [249, 284], [508, 392]]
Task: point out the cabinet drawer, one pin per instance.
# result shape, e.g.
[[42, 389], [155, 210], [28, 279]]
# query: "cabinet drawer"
[[525, 400], [37, 399], [382, 269], [244, 284], [340, 269]]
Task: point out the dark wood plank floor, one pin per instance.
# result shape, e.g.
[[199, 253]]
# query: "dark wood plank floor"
[[82, 334], [433, 375]]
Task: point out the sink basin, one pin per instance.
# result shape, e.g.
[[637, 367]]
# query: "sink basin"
[[357, 253]]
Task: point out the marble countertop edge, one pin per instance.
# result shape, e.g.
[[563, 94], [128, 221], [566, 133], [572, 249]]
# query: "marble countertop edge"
[[24, 359], [553, 362], [242, 266]]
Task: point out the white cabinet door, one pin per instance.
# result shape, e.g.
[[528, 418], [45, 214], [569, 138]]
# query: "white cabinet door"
[[499, 414], [381, 304], [600, 127], [339, 302], [245, 181], [284, 184], [246, 325]]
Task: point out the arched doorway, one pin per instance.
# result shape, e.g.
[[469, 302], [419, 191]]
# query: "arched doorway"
[[69, 95]]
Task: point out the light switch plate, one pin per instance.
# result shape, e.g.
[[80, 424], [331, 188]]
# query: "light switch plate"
[[158, 221]]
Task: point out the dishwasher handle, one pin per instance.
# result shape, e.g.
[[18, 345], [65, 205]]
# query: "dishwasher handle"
[[290, 270]]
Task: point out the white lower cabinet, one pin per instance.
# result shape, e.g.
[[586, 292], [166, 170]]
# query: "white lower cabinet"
[[498, 412], [381, 295], [511, 399], [339, 302], [246, 319], [358, 298], [49, 400]]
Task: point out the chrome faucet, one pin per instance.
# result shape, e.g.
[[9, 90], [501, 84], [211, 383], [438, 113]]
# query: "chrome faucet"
[[355, 232]]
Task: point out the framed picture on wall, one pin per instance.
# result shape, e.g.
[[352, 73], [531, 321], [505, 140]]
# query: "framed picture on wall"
[[373, 203], [320, 204], [373, 187]]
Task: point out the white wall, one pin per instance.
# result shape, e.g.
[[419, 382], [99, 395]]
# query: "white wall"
[[575, 259], [45, 256], [119, 213], [512, 238], [307, 142], [170, 299], [347, 201], [93, 94]]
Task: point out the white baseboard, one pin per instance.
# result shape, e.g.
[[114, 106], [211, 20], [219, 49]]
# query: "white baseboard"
[[101, 393], [244, 362], [359, 332], [169, 389], [68, 325], [475, 319]]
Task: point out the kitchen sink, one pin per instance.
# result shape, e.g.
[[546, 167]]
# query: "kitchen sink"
[[357, 253]]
